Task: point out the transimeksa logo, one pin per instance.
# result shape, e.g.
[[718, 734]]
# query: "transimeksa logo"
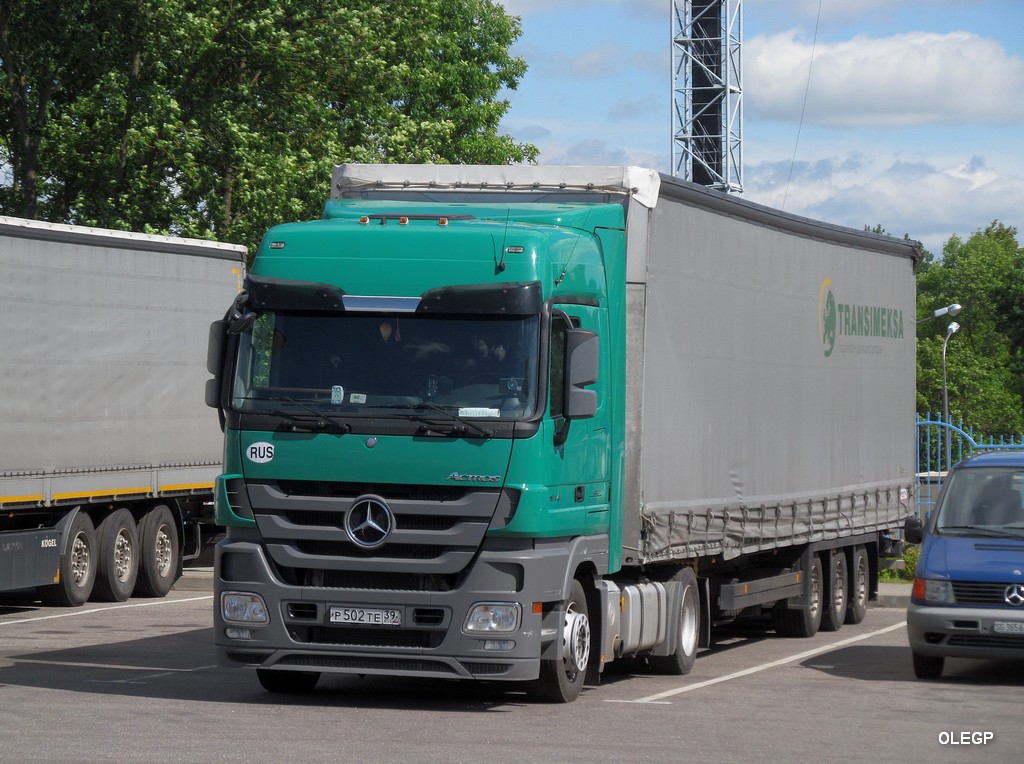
[[838, 320]]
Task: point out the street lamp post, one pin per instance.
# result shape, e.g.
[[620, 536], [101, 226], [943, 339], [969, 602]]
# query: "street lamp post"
[[952, 329], [949, 310]]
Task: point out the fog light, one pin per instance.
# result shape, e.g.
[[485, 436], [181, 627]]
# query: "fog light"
[[238, 633], [492, 616], [243, 607], [499, 644]]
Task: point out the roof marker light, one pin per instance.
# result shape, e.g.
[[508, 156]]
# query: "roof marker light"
[[364, 220], [442, 221], [403, 220]]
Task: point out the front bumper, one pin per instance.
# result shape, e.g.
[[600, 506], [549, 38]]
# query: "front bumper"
[[430, 642], [966, 632]]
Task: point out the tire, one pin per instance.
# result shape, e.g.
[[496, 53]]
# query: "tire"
[[118, 563], [561, 680], [160, 552], [288, 682], [681, 661], [77, 571], [837, 595], [857, 607], [804, 622], [928, 666]]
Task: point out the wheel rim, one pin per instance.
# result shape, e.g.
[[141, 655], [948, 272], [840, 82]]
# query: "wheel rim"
[[688, 622], [123, 556], [815, 606], [576, 635], [839, 587], [163, 553], [862, 581], [80, 560]]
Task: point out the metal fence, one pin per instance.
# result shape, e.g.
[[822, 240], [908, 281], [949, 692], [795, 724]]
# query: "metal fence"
[[941, 444]]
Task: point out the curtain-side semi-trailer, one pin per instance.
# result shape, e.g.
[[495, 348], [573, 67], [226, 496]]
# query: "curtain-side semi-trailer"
[[516, 423], [107, 451]]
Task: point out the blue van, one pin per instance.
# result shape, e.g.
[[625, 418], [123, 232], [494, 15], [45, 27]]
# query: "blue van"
[[968, 596]]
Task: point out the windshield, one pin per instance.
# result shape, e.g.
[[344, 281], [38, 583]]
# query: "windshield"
[[983, 499], [474, 366]]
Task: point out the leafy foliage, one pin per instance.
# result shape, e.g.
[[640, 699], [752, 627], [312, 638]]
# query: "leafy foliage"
[[219, 118], [985, 359]]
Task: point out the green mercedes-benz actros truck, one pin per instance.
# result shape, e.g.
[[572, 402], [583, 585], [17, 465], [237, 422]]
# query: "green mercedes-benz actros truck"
[[515, 423]]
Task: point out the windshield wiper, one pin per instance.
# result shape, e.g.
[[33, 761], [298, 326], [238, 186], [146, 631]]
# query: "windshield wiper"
[[464, 426], [978, 530], [320, 422]]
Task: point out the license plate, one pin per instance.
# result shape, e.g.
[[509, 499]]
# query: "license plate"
[[1008, 627], [366, 616]]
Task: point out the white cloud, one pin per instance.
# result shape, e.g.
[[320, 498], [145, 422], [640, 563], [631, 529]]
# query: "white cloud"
[[909, 79]]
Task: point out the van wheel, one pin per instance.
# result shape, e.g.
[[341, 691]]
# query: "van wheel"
[[928, 666]]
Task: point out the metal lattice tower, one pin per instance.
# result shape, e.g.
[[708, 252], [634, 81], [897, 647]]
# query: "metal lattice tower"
[[707, 92]]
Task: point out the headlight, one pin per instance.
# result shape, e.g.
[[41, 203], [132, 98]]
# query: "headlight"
[[931, 591], [492, 617], [242, 607]]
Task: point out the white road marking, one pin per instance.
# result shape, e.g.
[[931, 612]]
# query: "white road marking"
[[659, 697], [76, 613]]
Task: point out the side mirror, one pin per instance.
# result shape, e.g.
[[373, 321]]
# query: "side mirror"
[[913, 531], [582, 361], [215, 361]]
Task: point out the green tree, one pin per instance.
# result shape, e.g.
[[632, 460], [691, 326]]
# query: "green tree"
[[985, 359], [219, 118]]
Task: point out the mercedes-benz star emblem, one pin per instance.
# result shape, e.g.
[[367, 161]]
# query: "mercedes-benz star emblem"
[[1014, 595], [369, 522]]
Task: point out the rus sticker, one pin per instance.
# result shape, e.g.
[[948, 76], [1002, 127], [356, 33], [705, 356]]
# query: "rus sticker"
[[260, 453]]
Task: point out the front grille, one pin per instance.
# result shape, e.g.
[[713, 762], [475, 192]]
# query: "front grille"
[[980, 593], [486, 669], [363, 637], [1012, 643], [435, 534]]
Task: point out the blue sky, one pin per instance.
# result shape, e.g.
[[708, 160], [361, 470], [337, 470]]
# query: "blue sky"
[[914, 117]]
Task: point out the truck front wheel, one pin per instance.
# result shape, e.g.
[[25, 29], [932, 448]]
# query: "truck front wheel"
[[561, 679]]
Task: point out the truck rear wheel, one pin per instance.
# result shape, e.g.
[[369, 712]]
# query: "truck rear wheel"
[[802, 622], [682, 659], [77, 571], [833, 614], [857, 608], [561, 680], [161, 550], [119, 557]]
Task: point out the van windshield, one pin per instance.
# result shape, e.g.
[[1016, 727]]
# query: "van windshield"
[[475, 366], [986, 500]]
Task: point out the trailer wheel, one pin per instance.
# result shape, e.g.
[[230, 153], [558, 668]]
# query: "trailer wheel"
[[288, 682], [928, 666], [561, 680], [118, 565], [802, 622], [160, 553], [77, 571], [681, 661], [836, 594], [857, 608]]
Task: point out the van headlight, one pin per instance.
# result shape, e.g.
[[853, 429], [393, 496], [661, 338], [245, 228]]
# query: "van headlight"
[[933, 591], [491, 617]]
